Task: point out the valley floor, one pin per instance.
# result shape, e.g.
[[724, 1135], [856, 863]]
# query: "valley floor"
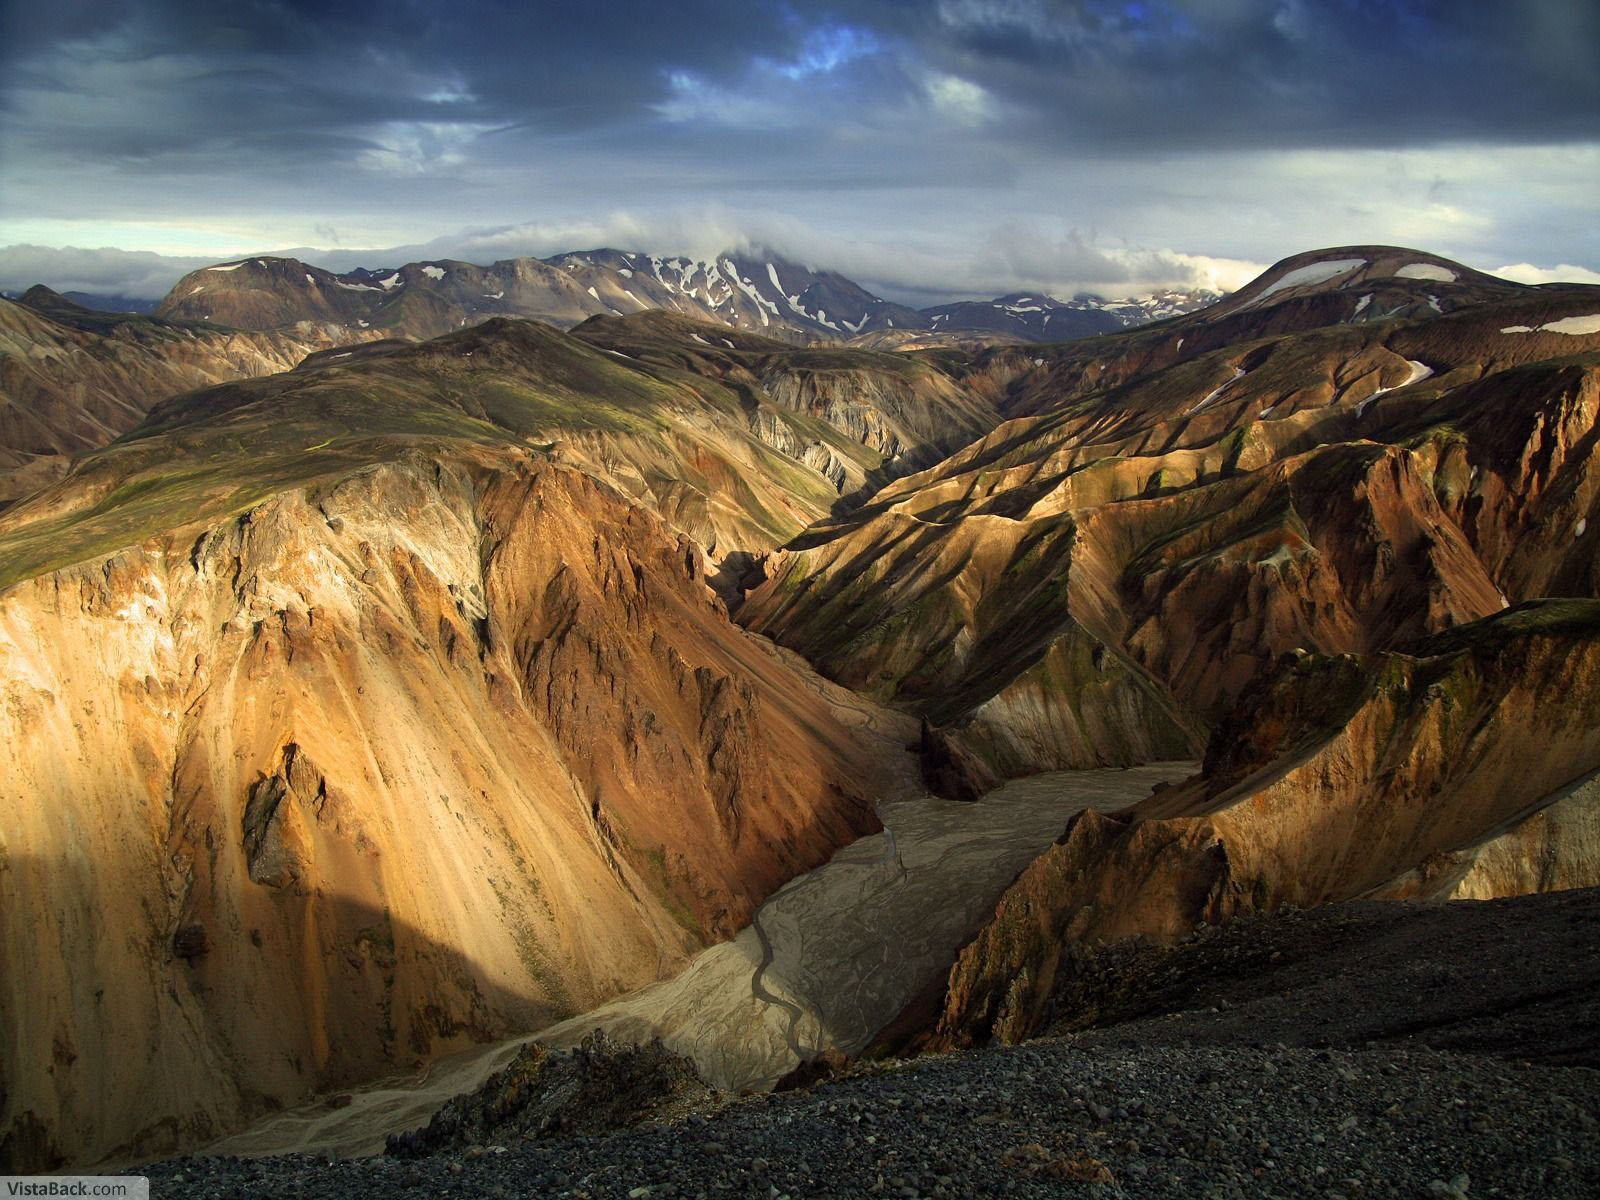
[[1294, 1055], [829, 959]]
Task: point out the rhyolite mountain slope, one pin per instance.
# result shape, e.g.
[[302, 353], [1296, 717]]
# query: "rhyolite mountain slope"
[[755, 291], [1092, 583], [734, 446], [1349, 285], [1327, 552], [384, 705], [1406, 774], [72, 379]]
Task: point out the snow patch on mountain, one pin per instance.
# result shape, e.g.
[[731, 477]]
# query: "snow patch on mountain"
[[1567, 325], [1430, 271], [1310, 274], [1238, 374]]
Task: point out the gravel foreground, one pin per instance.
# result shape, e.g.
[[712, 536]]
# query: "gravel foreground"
[[1410, 1051], [1049, 1118]]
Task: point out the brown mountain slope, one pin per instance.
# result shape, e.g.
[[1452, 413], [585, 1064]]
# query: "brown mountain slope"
[[73, 380], [905, 413], [1366, 288], [348, 754], [695, 439], [1334, 778], [1342, 490]]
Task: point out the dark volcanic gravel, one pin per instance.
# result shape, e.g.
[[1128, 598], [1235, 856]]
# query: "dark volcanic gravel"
[[1389, 1086], [1169, 1121], [1517, 978]]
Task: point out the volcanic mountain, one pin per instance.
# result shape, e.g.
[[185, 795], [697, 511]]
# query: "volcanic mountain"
[[757, 292], [1323, 551], [427, 692], [73, 379]]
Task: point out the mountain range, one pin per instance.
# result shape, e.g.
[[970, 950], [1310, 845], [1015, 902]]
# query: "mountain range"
[[387, 673], [760, 293]]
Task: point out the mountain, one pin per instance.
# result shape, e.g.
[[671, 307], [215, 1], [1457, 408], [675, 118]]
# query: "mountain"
[[1325, 551], [429, 691], [1098, 578], [1406, 775], [761, 293], [768, 295], [72, 379], [1032, 317], [391, 702]]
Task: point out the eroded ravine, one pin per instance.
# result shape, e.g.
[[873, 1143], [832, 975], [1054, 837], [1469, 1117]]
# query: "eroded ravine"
[[829, 959]]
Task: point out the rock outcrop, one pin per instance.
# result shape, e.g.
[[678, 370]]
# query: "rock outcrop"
[[1333, 778]]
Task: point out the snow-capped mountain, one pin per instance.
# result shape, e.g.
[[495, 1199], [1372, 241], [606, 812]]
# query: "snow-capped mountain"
[[1034, 316], [760, 292]]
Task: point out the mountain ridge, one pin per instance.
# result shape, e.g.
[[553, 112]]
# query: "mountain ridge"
[[760, 292]]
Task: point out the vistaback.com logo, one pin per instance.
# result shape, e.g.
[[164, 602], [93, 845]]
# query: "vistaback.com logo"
[[74, 1187]]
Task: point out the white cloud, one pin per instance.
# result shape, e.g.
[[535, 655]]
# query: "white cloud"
[[694, 99], [1528, 273], [1220, 274], [959, 101], [420, 147], [137, 273]]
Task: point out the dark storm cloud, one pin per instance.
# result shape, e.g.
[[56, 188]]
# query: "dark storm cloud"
[[948, 123], [234, 78], [1243, 73]]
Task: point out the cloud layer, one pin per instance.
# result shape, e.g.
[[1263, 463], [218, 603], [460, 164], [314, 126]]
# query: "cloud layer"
[[1072, 142]]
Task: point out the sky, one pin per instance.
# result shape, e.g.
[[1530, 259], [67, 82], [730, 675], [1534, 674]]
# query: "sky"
[[927, 150]]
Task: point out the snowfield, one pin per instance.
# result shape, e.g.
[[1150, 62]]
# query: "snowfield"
[[1567, 325], [1426, 271], [1319, 272]]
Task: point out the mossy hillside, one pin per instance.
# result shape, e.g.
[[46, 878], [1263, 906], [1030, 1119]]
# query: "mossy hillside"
[[849, 359], [156, 500], [220, 450], [1568, 619]]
